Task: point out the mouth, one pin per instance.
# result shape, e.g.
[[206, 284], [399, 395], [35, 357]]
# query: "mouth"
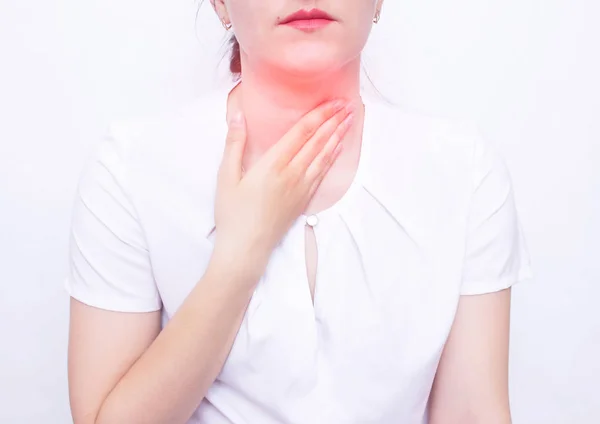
[[313, 18]]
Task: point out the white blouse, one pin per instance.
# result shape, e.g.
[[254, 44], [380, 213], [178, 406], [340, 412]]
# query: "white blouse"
[[429, 217]]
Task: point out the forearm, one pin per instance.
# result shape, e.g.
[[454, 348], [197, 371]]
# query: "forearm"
[[167, 383]]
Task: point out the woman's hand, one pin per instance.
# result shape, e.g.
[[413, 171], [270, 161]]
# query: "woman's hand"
[[253, 211]]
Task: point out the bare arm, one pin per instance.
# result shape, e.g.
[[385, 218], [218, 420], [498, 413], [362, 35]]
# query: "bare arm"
[[162, 379], [471, 385], [122, 368]]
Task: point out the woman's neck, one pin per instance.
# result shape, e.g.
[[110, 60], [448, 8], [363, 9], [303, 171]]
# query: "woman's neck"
[[273, 103]]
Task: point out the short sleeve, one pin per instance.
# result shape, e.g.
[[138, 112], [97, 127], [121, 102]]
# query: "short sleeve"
[[109, 264], [496, 254]]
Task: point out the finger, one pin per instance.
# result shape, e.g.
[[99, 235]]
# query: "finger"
[[322, 159], [230, 171], [316, 182], [315, 145], [283, 151]]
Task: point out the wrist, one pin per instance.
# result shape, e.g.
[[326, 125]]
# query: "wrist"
[[245, 266]]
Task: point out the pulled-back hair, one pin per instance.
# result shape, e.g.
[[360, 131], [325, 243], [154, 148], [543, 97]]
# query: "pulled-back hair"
[[235, 61]]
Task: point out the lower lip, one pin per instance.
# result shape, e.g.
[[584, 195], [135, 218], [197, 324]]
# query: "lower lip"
[[309, 24]]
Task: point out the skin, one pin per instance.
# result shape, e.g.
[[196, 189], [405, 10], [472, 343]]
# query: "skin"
[[120, 363], [471, 384]]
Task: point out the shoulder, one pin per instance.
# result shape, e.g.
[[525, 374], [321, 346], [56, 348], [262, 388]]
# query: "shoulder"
[[167, 159], [423, 147], [400, 131], [186, 135], [421, 166]]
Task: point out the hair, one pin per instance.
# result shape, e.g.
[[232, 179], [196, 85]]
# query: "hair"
[[235, 61]]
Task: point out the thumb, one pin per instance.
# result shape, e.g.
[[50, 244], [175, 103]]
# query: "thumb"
[[231, 165]]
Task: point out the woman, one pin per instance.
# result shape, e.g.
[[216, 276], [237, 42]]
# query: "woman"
[[287, 251]]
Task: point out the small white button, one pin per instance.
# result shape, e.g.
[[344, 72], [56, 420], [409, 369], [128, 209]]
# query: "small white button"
[[312, 220]]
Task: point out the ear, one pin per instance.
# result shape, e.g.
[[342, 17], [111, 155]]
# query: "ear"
[[221, 9], [379, 5]]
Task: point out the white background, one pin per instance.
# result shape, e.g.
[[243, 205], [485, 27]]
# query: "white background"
[[526, 70]]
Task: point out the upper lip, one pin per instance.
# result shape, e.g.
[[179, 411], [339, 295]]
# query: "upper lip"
[[302, 15]]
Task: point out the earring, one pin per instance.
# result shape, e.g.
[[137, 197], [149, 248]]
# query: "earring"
[[226, 25], [377, 16]]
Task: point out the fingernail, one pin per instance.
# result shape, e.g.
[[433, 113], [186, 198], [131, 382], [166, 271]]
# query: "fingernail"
[[236, 119], [350, 107]]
